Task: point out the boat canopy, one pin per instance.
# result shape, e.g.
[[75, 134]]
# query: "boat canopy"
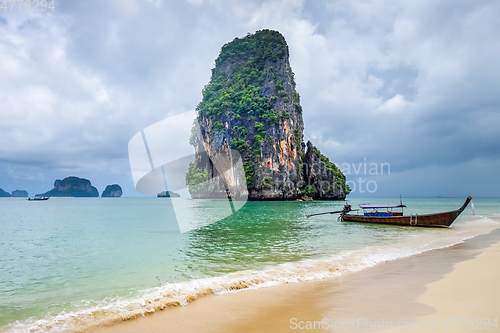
[[381, 206]]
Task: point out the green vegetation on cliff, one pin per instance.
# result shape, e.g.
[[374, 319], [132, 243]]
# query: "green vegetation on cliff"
[[339, 176], [251, 60], [196, 178]]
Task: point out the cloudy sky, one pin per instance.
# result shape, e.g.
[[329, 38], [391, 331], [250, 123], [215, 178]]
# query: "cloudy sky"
[[412, 84]]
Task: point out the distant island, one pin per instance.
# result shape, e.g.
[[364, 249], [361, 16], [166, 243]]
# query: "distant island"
[[72, 187], [168, 194], [251, 105], [15, 194], [20, 194], [4, 194], [112, 191]]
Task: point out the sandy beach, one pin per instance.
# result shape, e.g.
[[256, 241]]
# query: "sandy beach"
[[420, 293]]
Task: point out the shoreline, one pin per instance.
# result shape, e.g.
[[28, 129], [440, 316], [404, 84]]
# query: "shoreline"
[[393, 291]]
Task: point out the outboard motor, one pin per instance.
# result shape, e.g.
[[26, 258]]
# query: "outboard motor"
[[347, 209]]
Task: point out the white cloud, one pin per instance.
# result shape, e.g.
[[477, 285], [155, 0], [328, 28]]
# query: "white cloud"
[[395, 104]]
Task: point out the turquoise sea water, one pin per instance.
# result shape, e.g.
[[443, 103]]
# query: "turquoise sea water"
[[70, 263]]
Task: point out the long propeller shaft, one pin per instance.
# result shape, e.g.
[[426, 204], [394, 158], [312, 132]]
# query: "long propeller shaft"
[[335, 212]]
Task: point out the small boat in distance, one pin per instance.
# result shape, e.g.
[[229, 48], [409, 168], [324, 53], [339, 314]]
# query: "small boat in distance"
[[384, 214], [39, 198]]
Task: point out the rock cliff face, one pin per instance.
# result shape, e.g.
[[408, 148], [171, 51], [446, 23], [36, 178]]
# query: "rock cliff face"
[[251, 105], [72, 187], [20, 193], [112, 191]]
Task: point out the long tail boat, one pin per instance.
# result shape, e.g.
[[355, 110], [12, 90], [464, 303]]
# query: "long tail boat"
[[383, 214], [38, 198]]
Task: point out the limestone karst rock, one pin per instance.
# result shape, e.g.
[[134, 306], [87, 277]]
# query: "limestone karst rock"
[[251, 105]]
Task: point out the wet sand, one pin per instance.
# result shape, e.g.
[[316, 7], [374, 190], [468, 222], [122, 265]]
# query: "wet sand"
[[417, 293]]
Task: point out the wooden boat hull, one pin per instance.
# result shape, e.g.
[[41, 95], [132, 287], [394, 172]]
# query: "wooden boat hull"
[[438, 220]]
